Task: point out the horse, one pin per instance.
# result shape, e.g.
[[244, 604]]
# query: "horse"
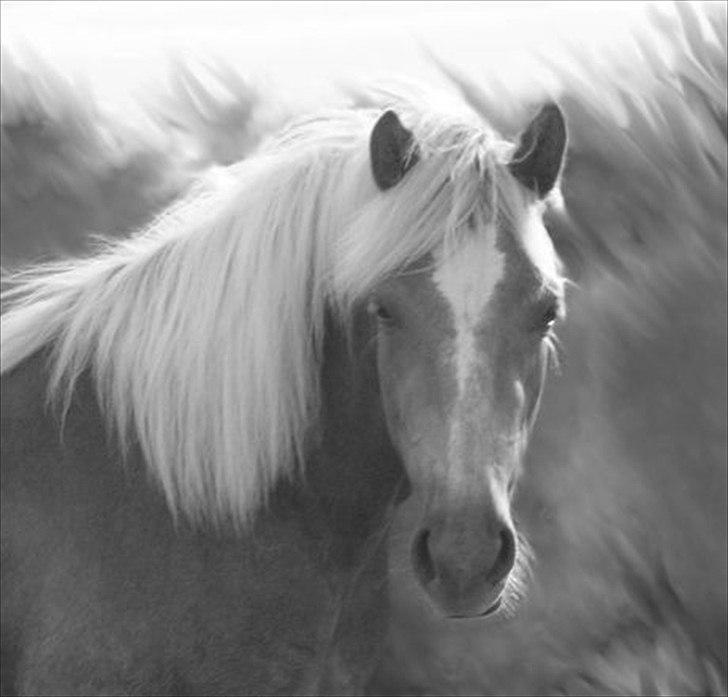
[[207, 426]]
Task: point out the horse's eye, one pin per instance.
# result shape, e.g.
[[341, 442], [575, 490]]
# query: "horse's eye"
[[380, 311], [383, 314], [550, 315]]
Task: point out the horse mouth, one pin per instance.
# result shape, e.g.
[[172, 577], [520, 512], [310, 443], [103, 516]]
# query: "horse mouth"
[[490, 611], [493, 608]]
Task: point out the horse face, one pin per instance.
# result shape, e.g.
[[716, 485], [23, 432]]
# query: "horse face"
[[462, 351], [461, 357]]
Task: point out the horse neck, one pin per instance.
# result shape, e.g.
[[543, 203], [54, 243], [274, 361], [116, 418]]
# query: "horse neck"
[[354, 472]]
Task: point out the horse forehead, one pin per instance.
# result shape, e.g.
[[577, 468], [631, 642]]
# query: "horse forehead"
[[467, 280]]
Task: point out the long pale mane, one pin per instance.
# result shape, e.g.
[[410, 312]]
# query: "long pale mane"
[[203, 333]]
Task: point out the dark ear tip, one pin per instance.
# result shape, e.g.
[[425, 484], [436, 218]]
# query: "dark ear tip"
[[551, 118], [389, 117], [555, 114], [388, 122], [552, 108]]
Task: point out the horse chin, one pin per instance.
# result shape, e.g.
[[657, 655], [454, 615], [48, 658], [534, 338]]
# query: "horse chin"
[[493, 609], [471, 608]]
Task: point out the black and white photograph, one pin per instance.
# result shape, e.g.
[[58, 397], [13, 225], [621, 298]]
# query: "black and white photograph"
[[364, 348]]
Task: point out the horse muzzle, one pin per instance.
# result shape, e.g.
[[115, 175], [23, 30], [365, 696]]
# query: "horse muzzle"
[[464, 569]]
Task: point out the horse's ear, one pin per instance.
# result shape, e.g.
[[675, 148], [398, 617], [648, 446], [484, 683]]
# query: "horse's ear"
[[391, 149], [540, 153]]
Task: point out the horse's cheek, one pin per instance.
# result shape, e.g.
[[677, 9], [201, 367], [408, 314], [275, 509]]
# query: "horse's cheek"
[[387, 370]]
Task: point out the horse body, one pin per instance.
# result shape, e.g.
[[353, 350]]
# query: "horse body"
[[104, 594], [240, 395]]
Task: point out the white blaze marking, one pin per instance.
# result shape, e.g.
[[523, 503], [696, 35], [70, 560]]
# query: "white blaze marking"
[[467, 280], [537, 245]]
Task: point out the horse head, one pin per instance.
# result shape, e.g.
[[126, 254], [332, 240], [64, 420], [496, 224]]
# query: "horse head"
[[463, 338]]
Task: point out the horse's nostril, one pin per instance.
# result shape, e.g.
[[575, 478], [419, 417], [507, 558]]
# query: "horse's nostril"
[[506, 557], [422, 558]]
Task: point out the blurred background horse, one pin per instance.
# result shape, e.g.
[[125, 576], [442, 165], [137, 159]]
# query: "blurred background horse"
[[626, 499]]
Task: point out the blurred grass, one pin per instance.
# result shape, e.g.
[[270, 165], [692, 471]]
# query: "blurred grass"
[[69, 169], [73, 168], [624, 498]]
